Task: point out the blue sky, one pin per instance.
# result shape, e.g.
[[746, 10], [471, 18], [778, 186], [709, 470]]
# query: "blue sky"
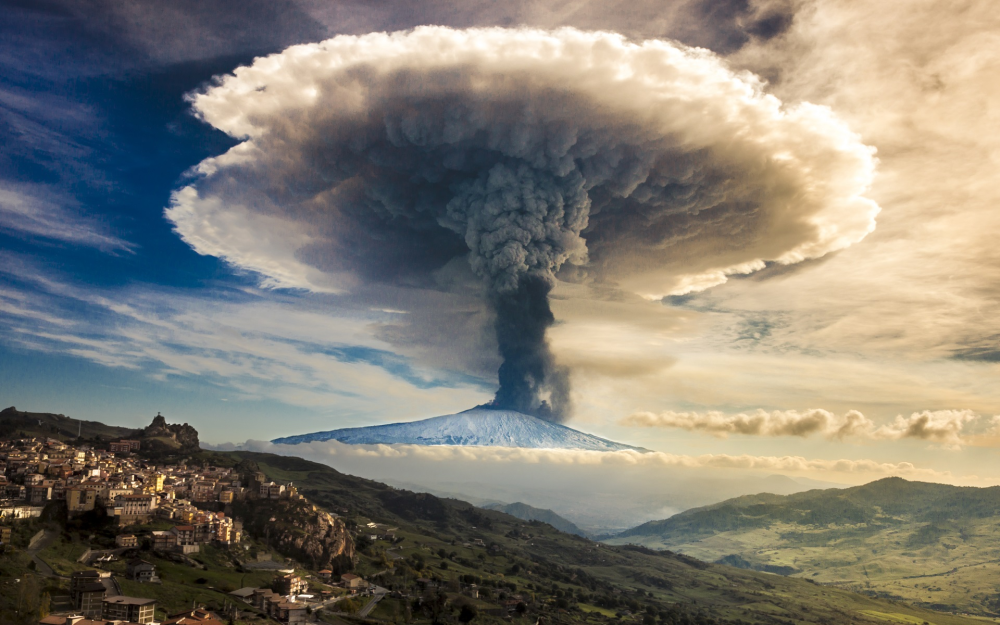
[[96, 135], [107, 311]]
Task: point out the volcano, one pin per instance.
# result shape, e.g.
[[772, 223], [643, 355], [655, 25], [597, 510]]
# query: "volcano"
[[479, 426]]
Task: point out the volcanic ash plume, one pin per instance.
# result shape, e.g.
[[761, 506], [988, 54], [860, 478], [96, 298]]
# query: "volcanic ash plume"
[[379, 160]]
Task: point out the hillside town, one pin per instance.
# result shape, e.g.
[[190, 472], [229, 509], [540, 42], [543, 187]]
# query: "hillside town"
[[124, 490]]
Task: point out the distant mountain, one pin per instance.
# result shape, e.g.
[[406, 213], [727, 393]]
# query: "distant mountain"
[[530, 513], [478, 426], [934, 544]]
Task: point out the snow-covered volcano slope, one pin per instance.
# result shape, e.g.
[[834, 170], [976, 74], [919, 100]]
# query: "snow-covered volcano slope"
[[478, 426]]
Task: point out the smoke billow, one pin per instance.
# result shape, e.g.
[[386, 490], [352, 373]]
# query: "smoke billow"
[[528, 373], [382, 159]]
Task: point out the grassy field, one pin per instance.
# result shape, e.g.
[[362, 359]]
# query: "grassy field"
[[62, 555]]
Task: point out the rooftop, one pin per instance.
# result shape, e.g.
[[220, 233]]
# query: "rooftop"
[[123, 600]]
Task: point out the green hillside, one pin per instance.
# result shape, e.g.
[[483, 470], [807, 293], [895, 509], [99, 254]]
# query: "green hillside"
[[16, 423], [530, 513], [592, 580], [932, 544]]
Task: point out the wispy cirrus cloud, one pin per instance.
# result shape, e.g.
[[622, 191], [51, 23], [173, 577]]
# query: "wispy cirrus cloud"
[[36, 211], [949, 428], [259, 345]]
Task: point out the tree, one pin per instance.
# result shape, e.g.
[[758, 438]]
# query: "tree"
[[347, 605], [434, 604], [467, 613]]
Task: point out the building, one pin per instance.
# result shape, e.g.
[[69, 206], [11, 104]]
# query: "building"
[[90, 598], [126, 540], [184, 534], [4, 535], [39, 494], [203, 491], [133, 609], [141, 571], [244, 594], [289, 612], [271, 490], [290, 585], [74, 619], [262, 598], [80, 500], [136, 505], [193, 617], [123, 447], [353, 582], [164, 541], [87, 591]]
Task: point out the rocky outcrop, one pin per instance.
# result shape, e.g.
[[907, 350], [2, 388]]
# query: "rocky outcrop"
[[299, 530], [177, 437]]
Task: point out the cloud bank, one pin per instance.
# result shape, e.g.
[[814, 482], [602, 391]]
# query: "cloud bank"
[[337, 454], [531, 156], [940, 426]]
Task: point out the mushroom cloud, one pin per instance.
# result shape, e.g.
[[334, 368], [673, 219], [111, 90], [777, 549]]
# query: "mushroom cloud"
[[536, 156]]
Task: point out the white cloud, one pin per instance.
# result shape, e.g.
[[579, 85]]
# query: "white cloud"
[[917, 81], [757, 423], [946, 427], [331, 452], [670, 133], [939, 426]]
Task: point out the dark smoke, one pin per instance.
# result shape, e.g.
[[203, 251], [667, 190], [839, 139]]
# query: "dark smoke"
[[521, 224], [530, 381]]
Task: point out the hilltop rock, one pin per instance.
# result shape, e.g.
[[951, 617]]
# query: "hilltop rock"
[[300, 530], [161, 436]]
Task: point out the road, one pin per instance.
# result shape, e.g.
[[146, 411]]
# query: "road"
[[379, 593], [39, 542]]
